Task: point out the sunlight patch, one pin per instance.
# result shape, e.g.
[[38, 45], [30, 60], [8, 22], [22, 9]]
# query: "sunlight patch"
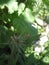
[[12, 6], [38, 50], [46, 59]]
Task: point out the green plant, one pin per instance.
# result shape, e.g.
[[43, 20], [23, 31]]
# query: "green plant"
[[17, 33]]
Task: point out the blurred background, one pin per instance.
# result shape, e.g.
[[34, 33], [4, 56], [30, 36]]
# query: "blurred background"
[[24, 32]]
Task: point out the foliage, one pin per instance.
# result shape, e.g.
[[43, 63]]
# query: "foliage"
[[17, 33]]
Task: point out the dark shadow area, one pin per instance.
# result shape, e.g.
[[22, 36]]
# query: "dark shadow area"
[[4, 54], [46, 18], [4, 2]]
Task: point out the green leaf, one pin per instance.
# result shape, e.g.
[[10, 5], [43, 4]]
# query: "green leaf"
[[12, 6], [28, 15], [46, 2], [22, 26], [21, 8]]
